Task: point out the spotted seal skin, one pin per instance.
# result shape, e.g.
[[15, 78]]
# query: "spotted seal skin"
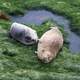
[[22, 33], [49, 45]]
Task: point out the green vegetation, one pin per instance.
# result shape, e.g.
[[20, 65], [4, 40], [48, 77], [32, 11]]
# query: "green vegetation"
[[19, 62], [67, 8]]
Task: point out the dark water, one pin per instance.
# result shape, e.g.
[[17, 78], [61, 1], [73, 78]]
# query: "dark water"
[[40, 16]]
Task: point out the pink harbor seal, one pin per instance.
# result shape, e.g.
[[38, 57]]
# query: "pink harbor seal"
[[22, 33], [49, 45]]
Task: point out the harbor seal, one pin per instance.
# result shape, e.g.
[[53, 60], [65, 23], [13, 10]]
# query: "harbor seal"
[[49, 45], [22, 33]]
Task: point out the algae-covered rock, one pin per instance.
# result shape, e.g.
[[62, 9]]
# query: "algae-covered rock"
[[25, 65]]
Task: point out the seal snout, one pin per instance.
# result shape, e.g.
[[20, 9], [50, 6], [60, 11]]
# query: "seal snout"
[[46, 57]]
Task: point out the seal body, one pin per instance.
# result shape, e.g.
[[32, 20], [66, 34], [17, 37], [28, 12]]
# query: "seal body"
[[22, 33], [49, 45]]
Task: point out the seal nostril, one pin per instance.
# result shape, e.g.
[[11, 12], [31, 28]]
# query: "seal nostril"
[[33, 40], [27, 39]]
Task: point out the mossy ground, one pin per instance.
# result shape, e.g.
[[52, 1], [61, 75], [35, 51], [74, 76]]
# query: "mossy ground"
[[19, 62], [67, 8]]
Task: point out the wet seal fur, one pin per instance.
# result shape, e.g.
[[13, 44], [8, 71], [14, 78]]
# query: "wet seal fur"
[[49, 45], [23, 34]]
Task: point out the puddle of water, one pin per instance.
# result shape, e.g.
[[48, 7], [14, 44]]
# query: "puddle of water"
[[40, 16]]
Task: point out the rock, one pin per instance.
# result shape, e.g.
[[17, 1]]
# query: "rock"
[[22, 33], [4, 16], [49, 45]]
